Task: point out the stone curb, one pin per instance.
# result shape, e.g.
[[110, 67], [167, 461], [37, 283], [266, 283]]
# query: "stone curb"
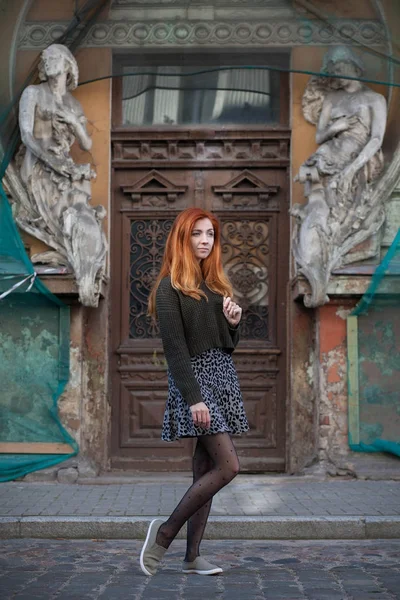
[[218, 528]]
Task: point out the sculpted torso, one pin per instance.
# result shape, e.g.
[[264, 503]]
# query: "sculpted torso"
[[49, 125], [353, 107], [349, 133], [48, 108]]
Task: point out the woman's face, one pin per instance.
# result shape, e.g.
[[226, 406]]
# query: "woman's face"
[[348, 69], [202, 238], [54, 64]]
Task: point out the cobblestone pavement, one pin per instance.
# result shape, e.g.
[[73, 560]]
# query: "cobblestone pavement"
[[246, 495], [108, 570]]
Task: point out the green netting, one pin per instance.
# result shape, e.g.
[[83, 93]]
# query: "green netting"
[[376, 368], [34, 357]]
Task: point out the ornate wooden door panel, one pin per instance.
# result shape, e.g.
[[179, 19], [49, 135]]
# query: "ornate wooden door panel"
[[244, 181]]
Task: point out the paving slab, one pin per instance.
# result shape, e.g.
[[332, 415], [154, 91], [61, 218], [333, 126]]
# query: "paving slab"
[[251, 507], [250, 496]]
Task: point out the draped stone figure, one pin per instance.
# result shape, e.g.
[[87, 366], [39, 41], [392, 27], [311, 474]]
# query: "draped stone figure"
[[51, 191], [341, 210]]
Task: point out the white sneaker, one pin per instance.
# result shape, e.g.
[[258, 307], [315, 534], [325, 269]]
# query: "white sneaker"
[[200, 566], [151, 554]]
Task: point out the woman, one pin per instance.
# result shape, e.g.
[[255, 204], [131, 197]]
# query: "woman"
[[199, 330]]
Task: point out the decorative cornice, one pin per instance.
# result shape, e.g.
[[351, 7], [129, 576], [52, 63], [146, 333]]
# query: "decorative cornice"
[[271, 33], [170, 150]]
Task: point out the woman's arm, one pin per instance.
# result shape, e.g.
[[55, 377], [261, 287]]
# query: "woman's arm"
[[235, 335], [378, 124], [75, 118], [233, 314], [377, 108], [174, 342], [327, 128]]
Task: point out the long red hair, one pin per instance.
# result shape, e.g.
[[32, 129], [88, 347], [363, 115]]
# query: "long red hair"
[[180, 262]]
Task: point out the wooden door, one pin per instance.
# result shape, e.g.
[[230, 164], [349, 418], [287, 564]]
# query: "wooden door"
[[242, 177]]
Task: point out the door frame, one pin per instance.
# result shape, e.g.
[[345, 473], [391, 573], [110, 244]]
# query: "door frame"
[[121, 135]]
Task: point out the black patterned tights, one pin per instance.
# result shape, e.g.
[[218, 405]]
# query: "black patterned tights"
[[215, 464]]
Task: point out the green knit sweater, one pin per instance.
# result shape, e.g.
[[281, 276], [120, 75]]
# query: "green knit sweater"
[[189, 327]]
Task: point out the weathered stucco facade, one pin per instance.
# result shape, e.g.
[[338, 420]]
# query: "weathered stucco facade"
[[316, 387]]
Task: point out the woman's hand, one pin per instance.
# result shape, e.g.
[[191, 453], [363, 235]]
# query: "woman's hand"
[[343, 182], [345, 122], [232, 312], [200, 415], [67, 116]]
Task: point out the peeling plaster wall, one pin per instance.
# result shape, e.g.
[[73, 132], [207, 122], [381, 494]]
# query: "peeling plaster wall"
[[83, 407], [69, 402], [95, 409], [302, 421], [333, 397]]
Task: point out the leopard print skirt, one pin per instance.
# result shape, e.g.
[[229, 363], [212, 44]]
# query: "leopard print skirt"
[[219, 385]]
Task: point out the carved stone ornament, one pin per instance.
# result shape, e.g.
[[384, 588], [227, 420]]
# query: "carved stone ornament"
[[271, 32], [50, 191], [244, 188], [153, 185], [342, 180]]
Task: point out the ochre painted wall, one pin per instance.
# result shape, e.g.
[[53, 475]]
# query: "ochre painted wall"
[[345, 9], [96, 102], [303, 133], [52, 10], [57, 10]]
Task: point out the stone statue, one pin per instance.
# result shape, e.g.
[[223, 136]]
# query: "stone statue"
[[53, 200], [342, 211]]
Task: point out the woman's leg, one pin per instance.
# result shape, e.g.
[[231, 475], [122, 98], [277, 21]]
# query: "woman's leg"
[[222, 452], [196, 525]]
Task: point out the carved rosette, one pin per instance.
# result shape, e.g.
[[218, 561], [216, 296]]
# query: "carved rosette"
[[271, 32]]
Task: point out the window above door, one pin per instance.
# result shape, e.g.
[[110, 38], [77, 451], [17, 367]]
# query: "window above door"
[[202, 90]]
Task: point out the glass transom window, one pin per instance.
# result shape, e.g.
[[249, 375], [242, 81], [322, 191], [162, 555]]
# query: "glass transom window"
[[185, 95]]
